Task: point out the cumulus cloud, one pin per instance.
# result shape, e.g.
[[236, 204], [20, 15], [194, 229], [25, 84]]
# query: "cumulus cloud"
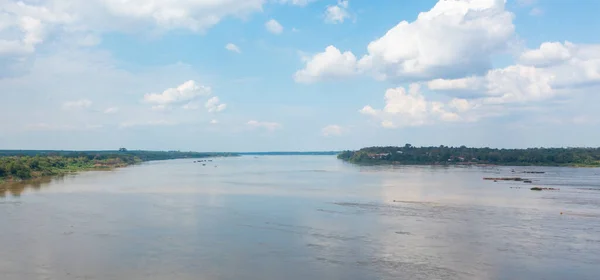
[[274, 26], [410, 108], [453, 39], [570, 64], [213, 105], [195, 15], [332, 130], [180, 94], [77, 104], [541, 74], [331, 64], [337, 13], [27, 24], [24, 26], [516, 83], [548, 54], [270, 126], [187, 96], [469, 83], [232, 47]]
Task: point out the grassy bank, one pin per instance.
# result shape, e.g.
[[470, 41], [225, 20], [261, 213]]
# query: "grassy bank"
[[24, 165]]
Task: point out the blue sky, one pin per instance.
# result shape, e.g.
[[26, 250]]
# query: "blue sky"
[[260, 75]]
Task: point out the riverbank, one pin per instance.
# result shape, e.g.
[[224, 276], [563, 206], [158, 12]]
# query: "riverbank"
[[464, 156], [17, 166]]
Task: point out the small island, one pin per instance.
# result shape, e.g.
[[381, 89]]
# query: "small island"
[[444, 155], [17, 165]]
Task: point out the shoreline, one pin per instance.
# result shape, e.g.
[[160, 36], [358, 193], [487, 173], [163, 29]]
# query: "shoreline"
[[5, 180], [24, 167], [379, 163]]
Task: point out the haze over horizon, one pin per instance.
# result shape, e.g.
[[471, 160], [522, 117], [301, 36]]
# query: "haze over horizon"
[[298, 75]]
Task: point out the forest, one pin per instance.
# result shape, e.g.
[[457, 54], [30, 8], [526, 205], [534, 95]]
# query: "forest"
[[20, 165], [411, 155]]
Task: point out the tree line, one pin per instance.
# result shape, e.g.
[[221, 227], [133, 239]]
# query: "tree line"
[[21, 165], [409, 154]]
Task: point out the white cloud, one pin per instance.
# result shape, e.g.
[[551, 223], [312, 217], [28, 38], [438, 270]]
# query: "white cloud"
[[455, 84], [214, 122], [330, 64], [24, 26], [274, 26], [271, 126], [517, 84], [213, 105], [411, 108], [77, 104], [195, 15], [111, 110], [232, 47], [461, 105], [543, 73], [453, 39], [512, 84], [332, 130], [337, 13], [180, 94], [90, 74], [368, 110], [548, 54]]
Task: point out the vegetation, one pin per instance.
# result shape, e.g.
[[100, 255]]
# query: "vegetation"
[[411, 155], [22, 165]]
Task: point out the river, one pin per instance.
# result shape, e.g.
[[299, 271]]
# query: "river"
[[301, 217]]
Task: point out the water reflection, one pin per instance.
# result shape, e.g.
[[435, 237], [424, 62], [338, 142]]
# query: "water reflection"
[[16, 189], [297, 218]]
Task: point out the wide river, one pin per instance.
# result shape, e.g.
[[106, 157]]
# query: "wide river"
[[301, 218]]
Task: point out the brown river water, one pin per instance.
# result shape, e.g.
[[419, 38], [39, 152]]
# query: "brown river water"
[[301, 217]]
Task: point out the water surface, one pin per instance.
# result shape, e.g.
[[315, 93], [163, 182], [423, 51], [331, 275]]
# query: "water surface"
[[301, 217]]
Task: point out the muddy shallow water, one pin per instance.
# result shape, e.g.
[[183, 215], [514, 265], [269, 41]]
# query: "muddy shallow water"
[[301, 217]]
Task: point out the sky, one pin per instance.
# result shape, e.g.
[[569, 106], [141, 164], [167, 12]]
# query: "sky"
[[298, 75]]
